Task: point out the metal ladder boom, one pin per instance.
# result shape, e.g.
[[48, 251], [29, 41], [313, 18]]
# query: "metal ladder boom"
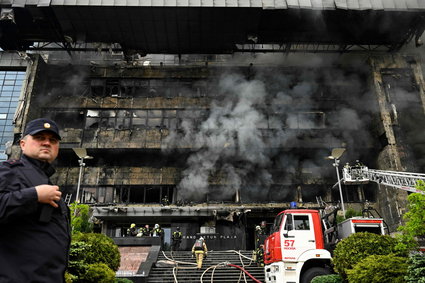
[[67, 199], [401, 180]]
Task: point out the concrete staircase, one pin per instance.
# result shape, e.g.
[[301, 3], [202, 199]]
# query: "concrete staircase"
[[181, 267]]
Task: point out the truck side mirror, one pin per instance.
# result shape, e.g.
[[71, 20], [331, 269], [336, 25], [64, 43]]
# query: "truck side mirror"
[[289, 225]]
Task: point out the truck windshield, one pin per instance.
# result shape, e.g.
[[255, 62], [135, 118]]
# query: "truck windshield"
[[277, 222]]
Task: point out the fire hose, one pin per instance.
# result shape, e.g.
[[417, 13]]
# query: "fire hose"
[[223, 264], [246, 272]]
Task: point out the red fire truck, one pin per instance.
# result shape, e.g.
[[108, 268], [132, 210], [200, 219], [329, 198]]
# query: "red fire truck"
[[298, 248]]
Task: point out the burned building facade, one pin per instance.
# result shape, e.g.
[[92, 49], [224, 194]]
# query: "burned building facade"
[[227, 147], [217, 145]]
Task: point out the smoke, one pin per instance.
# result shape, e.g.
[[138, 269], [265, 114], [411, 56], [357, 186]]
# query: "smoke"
[[239, 143]]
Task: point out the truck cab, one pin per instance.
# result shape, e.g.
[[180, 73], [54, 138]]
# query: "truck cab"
[[294, 252]]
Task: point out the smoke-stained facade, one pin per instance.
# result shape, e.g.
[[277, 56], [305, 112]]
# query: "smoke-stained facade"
[[235, 118], [228, 146]]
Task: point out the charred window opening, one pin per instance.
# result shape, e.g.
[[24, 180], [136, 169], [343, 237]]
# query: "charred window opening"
[[221, 194], [147, 88], [370, 192], [97, 87], [306, 120], [69, 118], [108, 119], [350, 194], [127, 194], [140, 119]]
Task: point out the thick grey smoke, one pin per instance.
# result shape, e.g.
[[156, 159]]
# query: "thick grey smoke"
[[239, 144]]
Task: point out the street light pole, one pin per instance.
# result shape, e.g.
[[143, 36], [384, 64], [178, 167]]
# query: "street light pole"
[[82, 164], [82, 154], [336, 165], [335, 155]]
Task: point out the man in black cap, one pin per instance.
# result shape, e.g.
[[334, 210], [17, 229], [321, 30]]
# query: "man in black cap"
[[34, 220]]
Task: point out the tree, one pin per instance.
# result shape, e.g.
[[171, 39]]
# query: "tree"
[[80, 218], [414, 226]]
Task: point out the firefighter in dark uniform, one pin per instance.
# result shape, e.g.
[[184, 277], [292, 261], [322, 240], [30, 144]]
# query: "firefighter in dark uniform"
[[259, 255], [34, 220], [177, 239]]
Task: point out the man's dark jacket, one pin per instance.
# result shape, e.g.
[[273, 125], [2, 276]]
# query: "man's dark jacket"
[[30, 250]]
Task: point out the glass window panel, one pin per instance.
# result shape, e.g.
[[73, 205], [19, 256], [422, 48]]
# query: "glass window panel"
[[4, 110], [170, 113], [9, 82], [123, 113], [154, 122], [6, 95], [4, 104], [10, 76], [172, 123], [108, 113], [138, 122], [7, 88], [155, 113], [301, 222], [140, 113]]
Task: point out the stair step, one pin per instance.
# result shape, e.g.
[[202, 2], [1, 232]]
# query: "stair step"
[[188, 273]]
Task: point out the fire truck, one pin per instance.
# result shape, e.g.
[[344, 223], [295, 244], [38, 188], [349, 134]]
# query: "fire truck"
[[300, 244]]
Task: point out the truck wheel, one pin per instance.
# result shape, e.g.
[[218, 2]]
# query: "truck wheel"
[[313, 272]]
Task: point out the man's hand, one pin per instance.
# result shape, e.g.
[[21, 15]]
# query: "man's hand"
[[48, 194]]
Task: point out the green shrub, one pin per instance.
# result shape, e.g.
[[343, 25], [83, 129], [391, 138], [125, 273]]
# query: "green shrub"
[[98, 273], [416, 269], [89, 249], [357, 247], [77, 253], [69, 278], [122, 280], [331, 278], [100, 249], [378, 269]]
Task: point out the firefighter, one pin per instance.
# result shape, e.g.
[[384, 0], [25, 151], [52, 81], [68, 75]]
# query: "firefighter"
[[157, 231], [260, 231], [165, 201], [177, 238], [199, 250], [132, 231], [259, 255], [146, 232]]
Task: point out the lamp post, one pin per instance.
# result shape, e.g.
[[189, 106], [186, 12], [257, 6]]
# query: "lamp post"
[[335, 155], [82, 154]]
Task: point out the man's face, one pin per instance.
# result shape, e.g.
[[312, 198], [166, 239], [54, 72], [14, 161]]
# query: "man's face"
[[43, 146]]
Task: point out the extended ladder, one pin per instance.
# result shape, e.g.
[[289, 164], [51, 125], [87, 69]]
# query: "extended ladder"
[[67, 199], [401, 180]]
